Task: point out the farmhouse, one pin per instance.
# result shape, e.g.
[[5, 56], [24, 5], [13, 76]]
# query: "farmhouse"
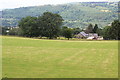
[[83, 35]]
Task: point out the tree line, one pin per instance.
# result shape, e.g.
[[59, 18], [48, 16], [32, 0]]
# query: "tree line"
[[50, 25]]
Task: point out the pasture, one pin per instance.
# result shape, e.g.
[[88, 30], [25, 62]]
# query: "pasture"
[[37, 58]]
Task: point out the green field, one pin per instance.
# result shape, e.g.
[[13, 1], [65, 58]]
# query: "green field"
[[36, 58]]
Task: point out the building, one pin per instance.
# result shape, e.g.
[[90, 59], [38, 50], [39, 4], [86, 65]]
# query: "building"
[[83, 35]]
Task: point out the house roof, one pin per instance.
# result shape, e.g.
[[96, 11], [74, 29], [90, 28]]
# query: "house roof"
[[88, 35], [83, 33]]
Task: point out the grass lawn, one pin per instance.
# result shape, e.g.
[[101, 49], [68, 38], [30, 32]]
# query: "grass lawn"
[[35, 58]]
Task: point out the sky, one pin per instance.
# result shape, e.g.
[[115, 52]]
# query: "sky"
[[10, 4]]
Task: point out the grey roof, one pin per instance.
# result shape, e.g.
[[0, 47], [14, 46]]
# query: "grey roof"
[[84, 34]]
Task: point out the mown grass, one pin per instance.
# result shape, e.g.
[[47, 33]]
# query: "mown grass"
[[36, 58]]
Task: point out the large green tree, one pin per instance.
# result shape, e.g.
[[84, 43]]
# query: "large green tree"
[[29, 26], [49, 24]]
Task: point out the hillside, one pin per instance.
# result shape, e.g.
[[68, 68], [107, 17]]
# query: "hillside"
[[74, 14]]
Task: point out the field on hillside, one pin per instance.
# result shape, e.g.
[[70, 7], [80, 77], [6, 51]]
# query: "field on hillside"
[[35, 58]]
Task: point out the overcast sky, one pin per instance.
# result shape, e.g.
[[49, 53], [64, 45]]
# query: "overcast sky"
[[7, 4]]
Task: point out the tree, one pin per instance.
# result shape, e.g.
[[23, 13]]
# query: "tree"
[[99, 31], [107, 32], [95, 28], [89, 29], [29, 26], [49, 24], [16, 31], [4, 30], [76, 31], [67, 32], [113, 31]]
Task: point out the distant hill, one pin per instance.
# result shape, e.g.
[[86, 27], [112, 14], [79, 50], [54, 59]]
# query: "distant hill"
[[74, 14]]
